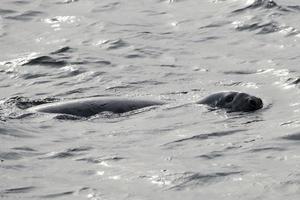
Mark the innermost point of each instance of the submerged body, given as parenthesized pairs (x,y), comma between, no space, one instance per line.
(92,106)
(233,101)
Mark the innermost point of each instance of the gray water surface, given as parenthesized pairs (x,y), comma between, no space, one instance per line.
(176,51)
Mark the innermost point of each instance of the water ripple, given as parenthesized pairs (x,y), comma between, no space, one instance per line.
(207,136)
(5,12)
(67,1)
(57,195)
(193,179)
(112,44)
(65,49)
(68,153)
(26,16)
(97,160)
(13,133)
(47,61)
(271,149)
(265,28)
(211,155)
(18,190)
(264,4)
(106,7)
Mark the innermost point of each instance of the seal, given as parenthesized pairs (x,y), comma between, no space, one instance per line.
(232,101)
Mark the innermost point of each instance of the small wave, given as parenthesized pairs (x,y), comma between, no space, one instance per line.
(14,63)
(265,28)
(12,132)
(119,87)
(18,190)
(102,62)
(254,120)
(265,4)
(12,167)
(67,1)
(26,16)
(287,79)
(28,76)
(193,179)
(236,83)
(5,12)
(65,49)
(47,61)
(134,56)
(97,160)
(24,149)
(240,72)
(106,7)
(211,155)
(293,123)
(206,39)
(271,149)
(69,71)
(112,44)
(53,155)
(55,21)
(289,31)
(145,82)
(10,156)
(17,155)
(293,81)
(57,195)
(215,25)
(68,153)
(169,65)
(75,91)
(229,83)
(58,21)
(148,52)
(207,136)
(21,2)
(79,149)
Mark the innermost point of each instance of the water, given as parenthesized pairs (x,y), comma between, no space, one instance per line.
(175,51)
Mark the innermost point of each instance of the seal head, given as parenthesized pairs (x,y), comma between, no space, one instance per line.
(233,101)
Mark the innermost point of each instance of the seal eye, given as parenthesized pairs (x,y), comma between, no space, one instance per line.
(229,98)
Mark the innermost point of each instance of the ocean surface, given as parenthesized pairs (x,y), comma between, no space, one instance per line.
(177,51)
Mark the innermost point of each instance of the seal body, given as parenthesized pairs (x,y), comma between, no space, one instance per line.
(233,101)
(92,106)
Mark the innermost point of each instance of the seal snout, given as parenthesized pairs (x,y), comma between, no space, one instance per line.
(255,103)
